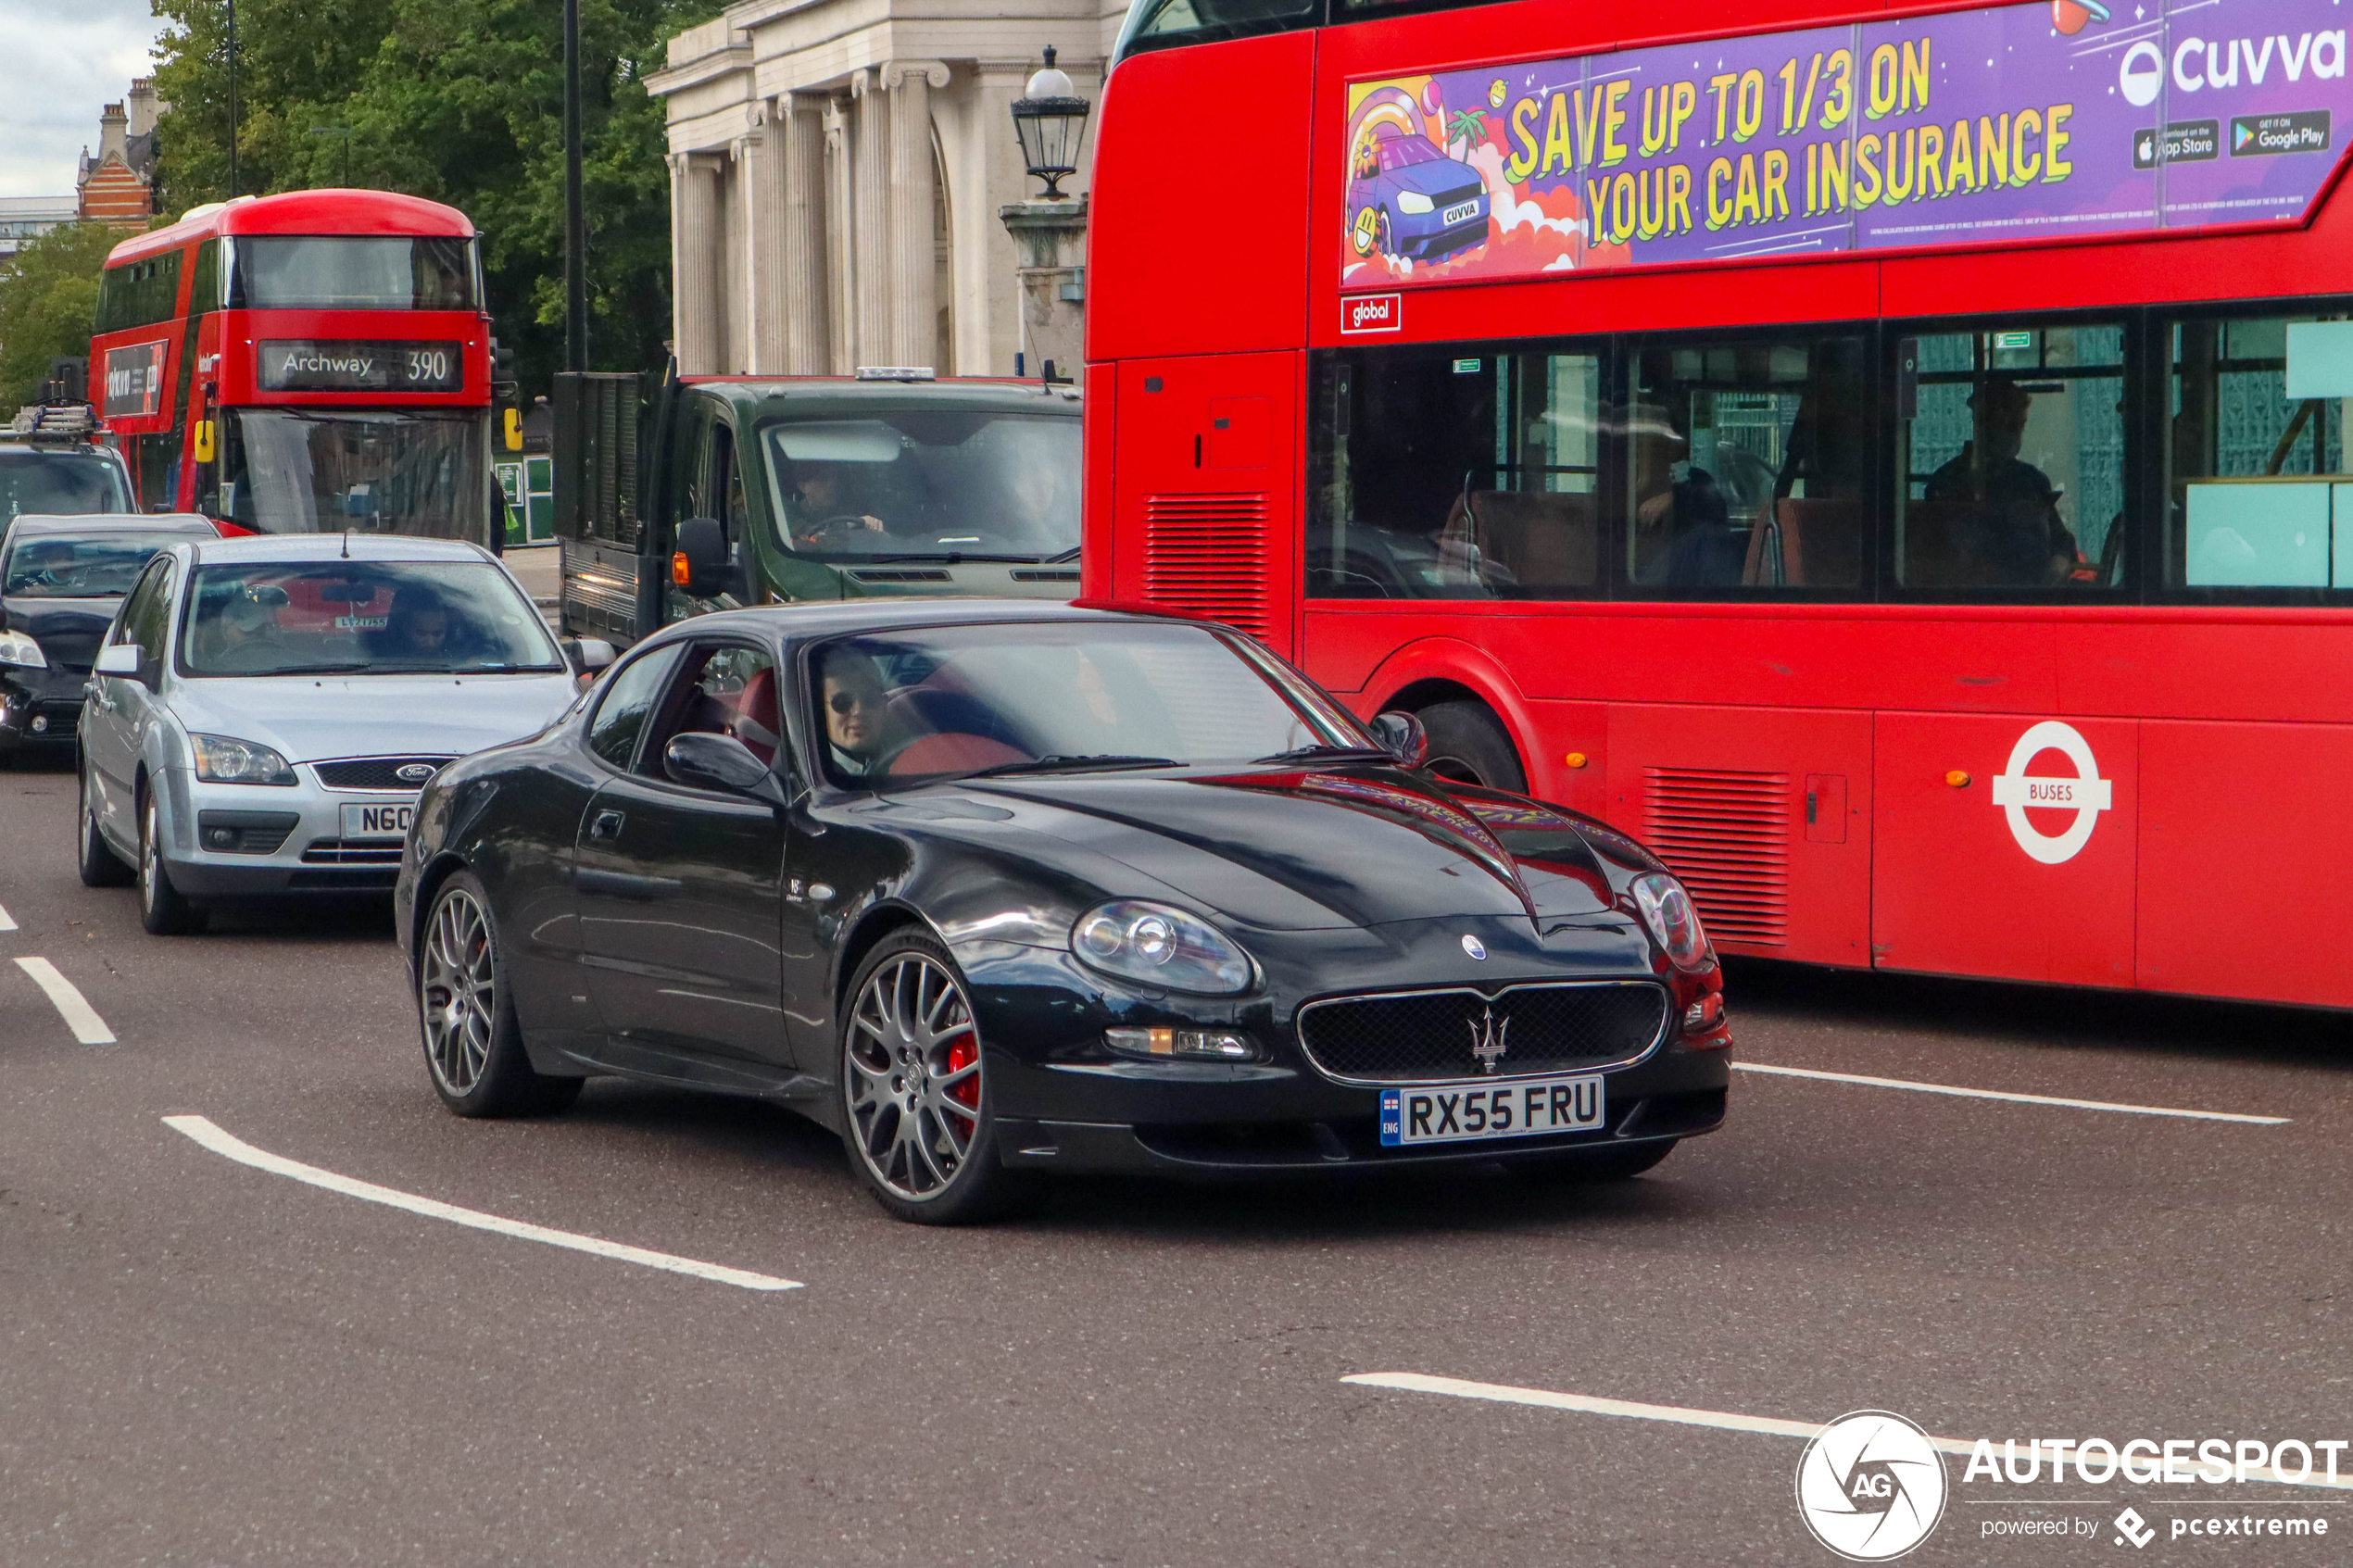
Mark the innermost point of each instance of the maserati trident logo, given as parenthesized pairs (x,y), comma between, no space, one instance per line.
(413,772)
(1489,1039)
(1474,947)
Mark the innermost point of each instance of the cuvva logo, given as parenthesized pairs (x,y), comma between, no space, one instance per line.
(2200,63)
(1870,1485)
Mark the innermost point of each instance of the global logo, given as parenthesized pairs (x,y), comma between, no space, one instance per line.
(1870,1485)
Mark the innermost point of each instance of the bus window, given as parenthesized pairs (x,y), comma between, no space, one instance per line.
(2253,478)
(2011,443)
(1745,464)
(284,471)
(1155,24)
(1446,476)
(350,273)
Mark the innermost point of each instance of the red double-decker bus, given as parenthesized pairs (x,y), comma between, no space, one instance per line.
(1889,459)
(312,361)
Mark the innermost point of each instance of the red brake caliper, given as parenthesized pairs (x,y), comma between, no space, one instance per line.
(961,1055)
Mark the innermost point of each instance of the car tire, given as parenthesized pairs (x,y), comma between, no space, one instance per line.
(1384,237)
(1467,745)
(466,1013)
(96,859)
(918,1118)
(163,910)
(1621,1164)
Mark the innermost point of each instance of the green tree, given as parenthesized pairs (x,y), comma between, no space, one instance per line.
(48,300)
(460,101)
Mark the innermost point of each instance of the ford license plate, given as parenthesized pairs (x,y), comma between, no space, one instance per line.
(1462,1113)
(372,821)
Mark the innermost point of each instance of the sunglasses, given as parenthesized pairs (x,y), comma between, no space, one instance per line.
(843,702)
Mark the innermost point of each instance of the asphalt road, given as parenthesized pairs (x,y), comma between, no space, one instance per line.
(206,1362)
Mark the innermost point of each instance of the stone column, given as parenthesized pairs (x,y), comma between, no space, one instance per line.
(841,253)
(1052,236)
(870,164)
(915,325)
(759,162)
(801,270)
(694,264)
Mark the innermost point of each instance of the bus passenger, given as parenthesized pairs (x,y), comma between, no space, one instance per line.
(2013,537)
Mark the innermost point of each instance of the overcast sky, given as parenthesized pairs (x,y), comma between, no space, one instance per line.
(60,62)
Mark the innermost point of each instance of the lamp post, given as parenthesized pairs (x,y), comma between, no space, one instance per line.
(232,99)
(1051,118)
(575,225)
(344,131)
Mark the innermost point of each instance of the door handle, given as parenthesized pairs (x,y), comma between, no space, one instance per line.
(605,824)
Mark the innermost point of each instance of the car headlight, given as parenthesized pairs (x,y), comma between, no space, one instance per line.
(1413,201)
(21,652)
(1160,946)
(222,760)
(1668,911)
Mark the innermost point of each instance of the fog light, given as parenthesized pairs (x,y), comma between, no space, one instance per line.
(1195,1044)
(221,838)
(39,723)
(1704,1014)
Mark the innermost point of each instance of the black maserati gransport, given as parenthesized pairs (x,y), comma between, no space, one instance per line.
(994,888)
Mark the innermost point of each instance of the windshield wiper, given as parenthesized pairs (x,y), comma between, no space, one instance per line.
(352,669)
(1071,554)
(1067,764)
(953,558)
(1325,749)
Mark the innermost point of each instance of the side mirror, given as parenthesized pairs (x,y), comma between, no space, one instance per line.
(121,659)
(588,655)
(699,563)
(1402,735)
(702,760)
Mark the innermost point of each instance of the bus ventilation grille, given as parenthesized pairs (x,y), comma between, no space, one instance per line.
(1206,555)
(1726,835)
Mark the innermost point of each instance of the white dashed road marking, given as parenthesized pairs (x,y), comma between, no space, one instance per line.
(1723,1421)
(79,1016)
(2004,1093)
(5,922)
(203,1131)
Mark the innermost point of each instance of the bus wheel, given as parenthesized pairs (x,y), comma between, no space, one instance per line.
(1469,745)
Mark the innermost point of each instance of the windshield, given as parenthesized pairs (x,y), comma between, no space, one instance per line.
(1399,151)
(57,566)
(928,483)
(312,272)
(952,701)
(361,617)
(410,472)
(69,481)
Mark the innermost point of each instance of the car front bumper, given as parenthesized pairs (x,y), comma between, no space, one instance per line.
(239,841)
(40,710)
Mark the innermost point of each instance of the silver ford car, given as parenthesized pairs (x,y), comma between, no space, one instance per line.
(264,712)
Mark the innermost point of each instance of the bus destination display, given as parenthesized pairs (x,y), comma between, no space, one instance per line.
(306,366)
(2024,121)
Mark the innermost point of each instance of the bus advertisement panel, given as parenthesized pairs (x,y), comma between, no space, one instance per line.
(1969,127)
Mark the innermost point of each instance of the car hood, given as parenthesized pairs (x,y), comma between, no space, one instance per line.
(1313,849)
(67,630)
(1439,178)
(312,718)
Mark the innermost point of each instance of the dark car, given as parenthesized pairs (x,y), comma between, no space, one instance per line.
(993,888)
(61,581)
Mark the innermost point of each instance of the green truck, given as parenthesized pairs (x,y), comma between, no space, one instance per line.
(708,493)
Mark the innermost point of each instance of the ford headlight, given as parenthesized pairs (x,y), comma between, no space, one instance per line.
(1413,201)
(1667,912)
(222,760)
(21,652)
(1160,946)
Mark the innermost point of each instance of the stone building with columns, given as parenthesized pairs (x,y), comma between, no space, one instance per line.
(836,171)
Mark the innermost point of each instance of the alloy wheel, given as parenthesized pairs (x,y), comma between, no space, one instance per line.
(150,856)
(459,985)
(913,1067)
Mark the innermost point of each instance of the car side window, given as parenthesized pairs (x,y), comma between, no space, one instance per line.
(147,613)
(724,688)
(629,697)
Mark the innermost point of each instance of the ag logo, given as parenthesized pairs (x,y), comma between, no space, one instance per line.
(1870,1487)
(2087,793)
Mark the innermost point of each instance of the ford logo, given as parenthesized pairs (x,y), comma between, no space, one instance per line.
(414,773)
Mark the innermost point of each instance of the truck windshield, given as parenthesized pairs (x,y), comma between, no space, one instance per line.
(70,480)
(927,482)
(282,471)
(341,273)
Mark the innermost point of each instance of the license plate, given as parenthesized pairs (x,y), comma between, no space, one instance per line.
(372,821)
(1465,1112)
(1461,212)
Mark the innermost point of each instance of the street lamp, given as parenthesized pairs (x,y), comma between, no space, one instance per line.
(344,131)
(1050,119)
